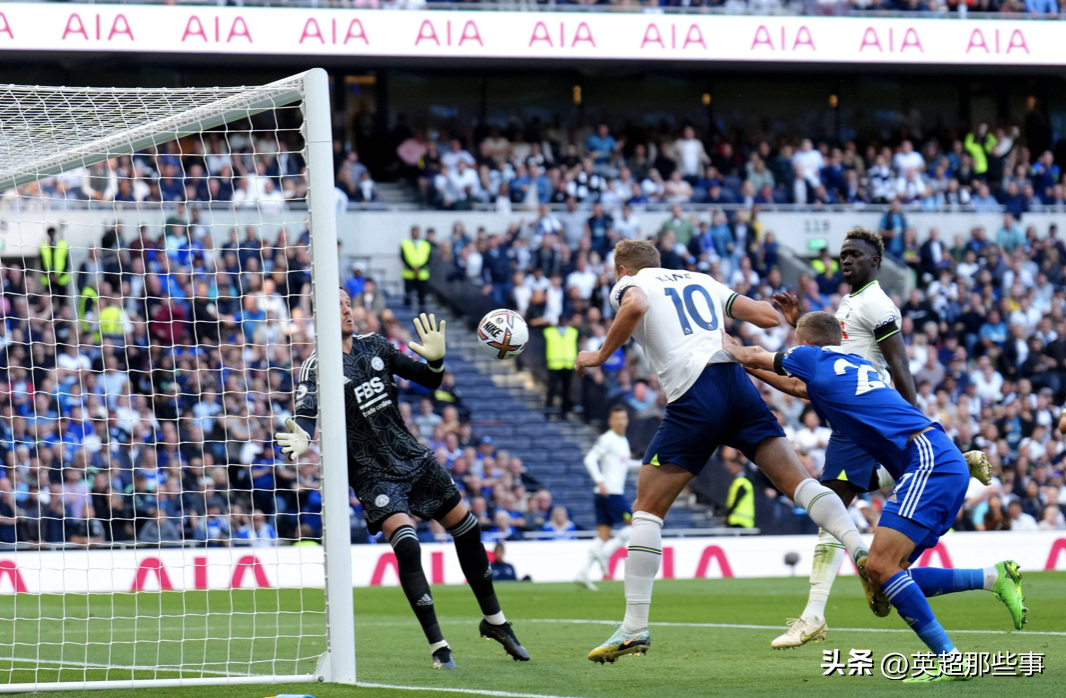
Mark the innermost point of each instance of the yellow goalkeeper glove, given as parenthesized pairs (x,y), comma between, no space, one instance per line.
(979,467)
(295,443)
(431,336)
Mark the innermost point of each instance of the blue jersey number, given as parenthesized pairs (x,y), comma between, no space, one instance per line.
(865,385)
(685,308)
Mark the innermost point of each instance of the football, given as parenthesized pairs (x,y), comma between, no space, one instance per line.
(503,334)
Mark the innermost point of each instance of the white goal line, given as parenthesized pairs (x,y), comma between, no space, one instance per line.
(448,689)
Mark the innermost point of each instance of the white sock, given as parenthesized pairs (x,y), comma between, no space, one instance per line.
(642,564)
(828,554)
(991,576)
(437,645)
(496,618)
(884,478)
(594,555)
(825,509)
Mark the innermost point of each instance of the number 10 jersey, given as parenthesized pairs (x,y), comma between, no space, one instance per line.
(682,331)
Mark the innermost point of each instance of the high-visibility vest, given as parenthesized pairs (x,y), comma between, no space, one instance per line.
(561,349)
(111,322)
(744,512)
(819,266)
(87,294)
(416,254)
(979,151)
(55,259)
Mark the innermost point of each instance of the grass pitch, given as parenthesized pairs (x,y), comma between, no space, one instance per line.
(693,652)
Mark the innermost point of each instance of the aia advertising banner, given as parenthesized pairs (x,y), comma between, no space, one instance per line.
(105,571)
(525,35)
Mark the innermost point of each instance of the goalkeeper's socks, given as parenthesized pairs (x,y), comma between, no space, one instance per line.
(934,582)
(913,607)
(642,564)
(475,563)
(413,580)
(828,511)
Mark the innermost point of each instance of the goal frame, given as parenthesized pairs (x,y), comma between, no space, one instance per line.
(311,88)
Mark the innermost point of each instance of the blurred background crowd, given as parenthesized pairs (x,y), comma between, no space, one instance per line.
(983,320)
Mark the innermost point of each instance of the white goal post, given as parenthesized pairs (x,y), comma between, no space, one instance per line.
(151,534)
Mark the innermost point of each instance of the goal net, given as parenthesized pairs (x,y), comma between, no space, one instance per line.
(169,261)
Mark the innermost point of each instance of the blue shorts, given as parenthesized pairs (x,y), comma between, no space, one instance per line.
(928,496)
(612,510)
(846,461)
(721,407)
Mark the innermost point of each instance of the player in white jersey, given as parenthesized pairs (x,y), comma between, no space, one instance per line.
(677,317)
(609,462)
(870,324)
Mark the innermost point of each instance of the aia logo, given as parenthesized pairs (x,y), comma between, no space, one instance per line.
(843,331)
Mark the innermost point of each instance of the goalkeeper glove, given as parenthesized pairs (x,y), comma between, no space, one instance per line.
(432,338)
(979,466)
(295,443)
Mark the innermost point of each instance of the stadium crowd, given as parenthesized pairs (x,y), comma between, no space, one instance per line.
(985,324)
(255,169)
(984,169)
(141,392)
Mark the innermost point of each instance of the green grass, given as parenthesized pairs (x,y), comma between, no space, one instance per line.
(684,661)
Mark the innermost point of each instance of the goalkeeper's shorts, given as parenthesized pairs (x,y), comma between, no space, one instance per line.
(428,495)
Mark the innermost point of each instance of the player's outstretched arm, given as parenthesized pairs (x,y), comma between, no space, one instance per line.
(758,313)
(631,311)
(788,385)
(748,357)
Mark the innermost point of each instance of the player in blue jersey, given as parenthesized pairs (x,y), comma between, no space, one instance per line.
(870,327)
(931,475)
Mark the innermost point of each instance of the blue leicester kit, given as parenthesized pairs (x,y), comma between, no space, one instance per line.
(930,472)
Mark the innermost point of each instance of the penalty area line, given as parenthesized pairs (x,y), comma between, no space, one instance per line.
(744,626)
(447,689)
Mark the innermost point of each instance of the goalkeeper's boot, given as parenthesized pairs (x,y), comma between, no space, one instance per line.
(442,658)
(506,637)
(1008,589)
(979,466)
(622,643)
(876,598)
(801,632)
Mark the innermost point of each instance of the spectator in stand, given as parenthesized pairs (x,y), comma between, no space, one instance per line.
(891,228)
(1010,235)
(689,156)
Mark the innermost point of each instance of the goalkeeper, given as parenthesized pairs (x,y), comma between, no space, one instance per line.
(394,476)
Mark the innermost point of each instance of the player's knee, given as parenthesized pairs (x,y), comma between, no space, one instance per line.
(880,568)
(467,529)
(405,546)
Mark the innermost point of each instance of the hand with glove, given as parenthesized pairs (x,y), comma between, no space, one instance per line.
(295,443)
(979,466)
(430,336)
